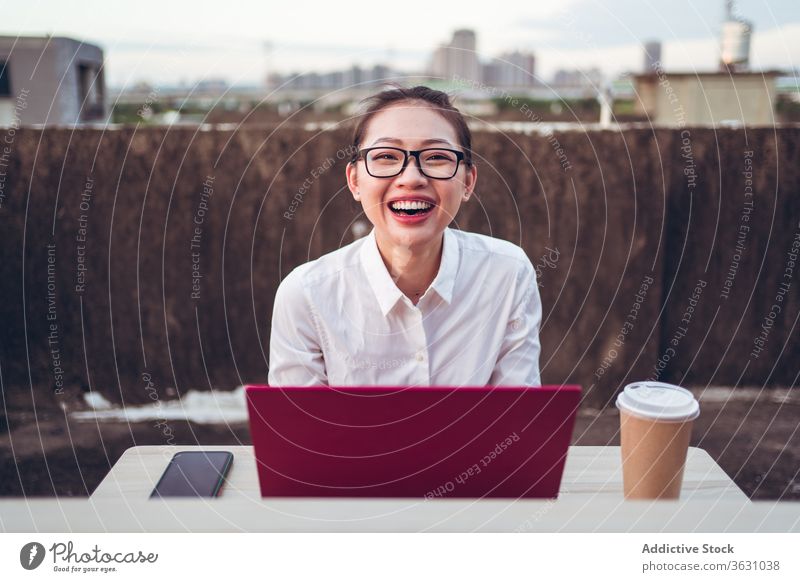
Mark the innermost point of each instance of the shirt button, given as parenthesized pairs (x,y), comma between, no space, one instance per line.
(420,357)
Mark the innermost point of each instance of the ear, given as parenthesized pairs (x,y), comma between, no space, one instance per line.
(469,182)
(352,181)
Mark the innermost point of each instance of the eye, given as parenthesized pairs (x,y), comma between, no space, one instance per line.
(384,155)
(439,156)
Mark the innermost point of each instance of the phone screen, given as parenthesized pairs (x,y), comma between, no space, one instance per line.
(194,474)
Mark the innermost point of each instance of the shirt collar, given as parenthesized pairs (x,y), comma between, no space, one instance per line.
(384,287)
(445,280)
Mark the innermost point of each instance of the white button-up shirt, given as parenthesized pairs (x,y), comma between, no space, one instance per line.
(342,321)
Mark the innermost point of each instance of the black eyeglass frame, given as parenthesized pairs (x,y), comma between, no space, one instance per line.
(411,153)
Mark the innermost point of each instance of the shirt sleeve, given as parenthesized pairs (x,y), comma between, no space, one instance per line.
(518,360)
(295,353)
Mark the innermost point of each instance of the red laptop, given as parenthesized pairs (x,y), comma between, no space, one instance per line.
(429,442)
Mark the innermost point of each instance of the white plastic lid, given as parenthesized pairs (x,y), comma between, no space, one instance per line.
(659,401)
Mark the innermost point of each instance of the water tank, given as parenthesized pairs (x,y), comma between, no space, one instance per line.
(735,51)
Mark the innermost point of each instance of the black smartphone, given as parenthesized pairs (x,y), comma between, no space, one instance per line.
(194,474)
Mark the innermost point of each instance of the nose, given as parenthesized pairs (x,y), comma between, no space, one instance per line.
(411,176)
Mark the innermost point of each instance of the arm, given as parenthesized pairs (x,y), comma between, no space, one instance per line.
(518,360)
(295,353)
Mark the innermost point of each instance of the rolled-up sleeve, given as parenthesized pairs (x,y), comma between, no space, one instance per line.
(295,353)
(518,360)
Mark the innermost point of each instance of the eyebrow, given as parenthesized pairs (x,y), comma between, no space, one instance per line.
(424,141)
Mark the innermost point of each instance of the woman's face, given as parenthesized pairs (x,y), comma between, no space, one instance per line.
(410,126)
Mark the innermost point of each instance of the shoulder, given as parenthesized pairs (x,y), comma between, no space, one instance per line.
(499,253)
(503,266)
(323,271)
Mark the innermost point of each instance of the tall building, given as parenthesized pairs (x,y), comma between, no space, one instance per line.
(510,70)
(439,62)
(458,58)
(516,69)
(353,77)
(491,73)
(465,61)
(51,80)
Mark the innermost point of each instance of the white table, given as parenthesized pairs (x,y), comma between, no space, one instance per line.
(240,514)
(590,474)
(590,500)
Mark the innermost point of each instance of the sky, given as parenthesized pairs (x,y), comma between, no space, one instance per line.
(169,42)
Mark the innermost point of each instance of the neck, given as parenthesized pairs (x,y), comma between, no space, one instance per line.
(412,269)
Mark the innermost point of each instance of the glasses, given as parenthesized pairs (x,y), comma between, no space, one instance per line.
(436,163)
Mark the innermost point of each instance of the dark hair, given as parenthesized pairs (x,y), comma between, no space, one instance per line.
(438,100)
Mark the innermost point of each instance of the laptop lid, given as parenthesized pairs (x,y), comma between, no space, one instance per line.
(429,442)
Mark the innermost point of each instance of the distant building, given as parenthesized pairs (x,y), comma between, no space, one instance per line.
(589,78)
(58,80)
(211,86)
(512,70)
(381,74)
(352,78)
(707,98)
(458,59)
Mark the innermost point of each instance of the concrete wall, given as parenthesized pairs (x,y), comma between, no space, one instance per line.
(101,253)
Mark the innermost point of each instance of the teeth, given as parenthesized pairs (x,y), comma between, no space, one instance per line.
(410,205)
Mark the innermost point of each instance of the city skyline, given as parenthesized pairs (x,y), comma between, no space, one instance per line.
(170,45)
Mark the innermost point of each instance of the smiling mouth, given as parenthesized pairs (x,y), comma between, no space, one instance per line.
(410,208)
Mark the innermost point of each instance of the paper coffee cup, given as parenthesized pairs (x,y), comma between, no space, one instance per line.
(655,427)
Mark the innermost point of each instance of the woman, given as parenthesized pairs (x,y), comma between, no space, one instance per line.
(414,303)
